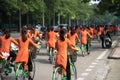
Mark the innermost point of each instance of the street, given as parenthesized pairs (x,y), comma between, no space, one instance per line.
(91,67)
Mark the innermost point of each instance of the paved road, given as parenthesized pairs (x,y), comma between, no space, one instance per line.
(90,67)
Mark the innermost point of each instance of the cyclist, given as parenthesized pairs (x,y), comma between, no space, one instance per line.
(23,54)
(73,36)
(5,41)
(84,37)
(62,45)
(52,37)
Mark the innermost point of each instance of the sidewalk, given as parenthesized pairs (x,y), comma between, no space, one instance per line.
(114,63)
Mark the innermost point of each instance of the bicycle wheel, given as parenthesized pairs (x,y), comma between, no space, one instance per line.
(20,72)
(57,75)
(73,72)
(52,57)
(33,69)
(84,50)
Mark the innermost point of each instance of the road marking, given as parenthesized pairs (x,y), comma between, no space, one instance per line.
(94,63)
(88,69)
(84,74)
(91,66)
(80,79)
(102,55)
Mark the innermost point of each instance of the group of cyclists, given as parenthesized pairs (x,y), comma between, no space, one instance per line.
(59,41)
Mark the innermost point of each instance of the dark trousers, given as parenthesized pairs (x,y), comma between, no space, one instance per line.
(29,64)
(68,69)
(102,42)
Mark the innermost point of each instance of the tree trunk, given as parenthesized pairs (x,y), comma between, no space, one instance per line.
(20,20)
(27,16)
(10,24)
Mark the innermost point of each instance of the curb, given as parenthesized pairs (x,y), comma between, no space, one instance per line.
(113,50)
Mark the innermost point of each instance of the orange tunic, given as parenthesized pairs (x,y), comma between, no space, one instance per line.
(84,36)
(36,33)
(73,38)
(92,31)
(23,53)
(29,34)
(61,57)
(5,43)
(52,36)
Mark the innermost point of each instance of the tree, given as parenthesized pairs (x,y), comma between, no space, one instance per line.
(113,6)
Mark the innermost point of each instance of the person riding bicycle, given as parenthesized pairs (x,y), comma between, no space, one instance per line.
(73,36)
(52,37)
(5,41)
(23,53)
(84,38)
(62,45)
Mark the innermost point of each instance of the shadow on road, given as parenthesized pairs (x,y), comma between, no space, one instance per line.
(44,61)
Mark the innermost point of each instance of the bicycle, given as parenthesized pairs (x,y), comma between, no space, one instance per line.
(84,49)
(4,68)
(52,56)
(21,73)
(39,47)
(58,75)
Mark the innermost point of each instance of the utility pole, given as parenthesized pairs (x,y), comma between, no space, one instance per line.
(20,19)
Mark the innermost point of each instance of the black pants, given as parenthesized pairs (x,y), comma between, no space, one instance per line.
(12,56)
(68,69)
(29,64)
(102,42)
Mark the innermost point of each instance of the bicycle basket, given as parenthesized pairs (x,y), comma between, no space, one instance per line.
(78,48)
(74,57)
(33,52)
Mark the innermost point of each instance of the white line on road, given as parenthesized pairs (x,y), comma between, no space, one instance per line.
(88,70)
(102,55)
(80,79)
(84,74)
(94,63)
(91,66)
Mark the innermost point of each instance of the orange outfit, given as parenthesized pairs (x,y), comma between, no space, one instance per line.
(68,34)
(52,36)
(5,43)
(23,53)
(61,57)
(84,36)
(29,34)
(92,31)
(77,31)
(36,33)
(73,38)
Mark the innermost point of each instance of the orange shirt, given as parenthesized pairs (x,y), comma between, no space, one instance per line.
(84,36)
(23,52)
(77,31)
(61,57)
(5,43)
(52,36)
(73,38)
(36,33)
(29,34)
(92,31)
(68,34)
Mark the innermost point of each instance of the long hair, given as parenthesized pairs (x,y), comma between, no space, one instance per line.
(6,32)
(62,34)
(24,37)
(72,31)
